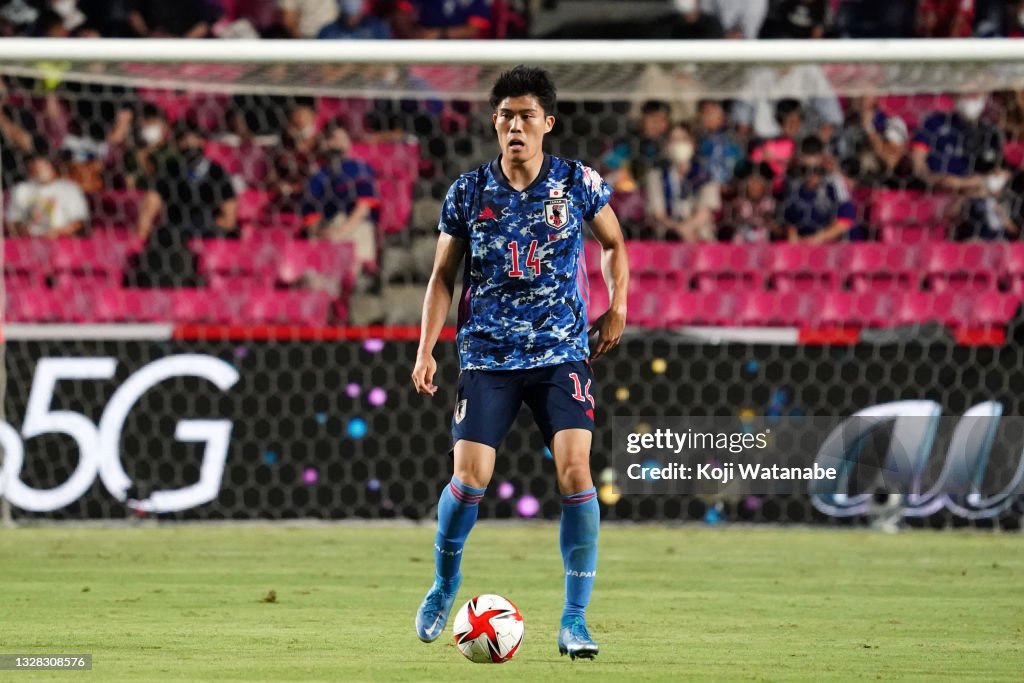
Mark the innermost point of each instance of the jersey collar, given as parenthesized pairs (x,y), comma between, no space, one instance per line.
(499,174)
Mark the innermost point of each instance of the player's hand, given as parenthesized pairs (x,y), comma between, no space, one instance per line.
(423,374)
(609,329)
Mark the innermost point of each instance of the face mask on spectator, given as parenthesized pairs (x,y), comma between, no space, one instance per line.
(306,132)
(995,183)
(152,133)
(971,107)
(680,152)
(685,6)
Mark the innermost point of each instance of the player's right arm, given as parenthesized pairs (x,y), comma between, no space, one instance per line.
(438,300)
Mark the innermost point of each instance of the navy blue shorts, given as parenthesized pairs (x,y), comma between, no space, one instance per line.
(560,397)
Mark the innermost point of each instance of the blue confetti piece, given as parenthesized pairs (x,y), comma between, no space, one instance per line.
(373,485)
(321,418)
(547,454)
(357,428)
(751,367)
(270,457)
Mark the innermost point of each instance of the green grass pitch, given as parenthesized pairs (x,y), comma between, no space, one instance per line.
(189,603)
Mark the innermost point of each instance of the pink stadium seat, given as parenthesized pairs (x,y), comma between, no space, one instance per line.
(669,261)
(207,306)
(993,309)
(873,267)
(646,301)
(389,160)
(840,309)
(287,307)
(326,259)
(44,305)
(251,204)
(972,266)
(395,204)
(1013,268)
(248,161)
(908,217)
(240,258)
(131,305)
(592,255)
(948,308)
(99,260)
(704,308)
(598,303)
(116,208)
(779,308)
(719,266)
(797,267)
(913,108)
(1013,152)
(27,259)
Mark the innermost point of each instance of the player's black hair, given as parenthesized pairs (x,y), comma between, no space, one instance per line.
(812,145)
(525,80)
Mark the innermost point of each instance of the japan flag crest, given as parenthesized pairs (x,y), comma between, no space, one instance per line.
(556,213)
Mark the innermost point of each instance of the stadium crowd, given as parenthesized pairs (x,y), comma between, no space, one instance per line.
(169,168)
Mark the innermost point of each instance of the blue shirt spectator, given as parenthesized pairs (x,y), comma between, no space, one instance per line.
(717,149)
(451,18)
(342,186)
(958,143)
(682,197)
(355,23)
(816,206)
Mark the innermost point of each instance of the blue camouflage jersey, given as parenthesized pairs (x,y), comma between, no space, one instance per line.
(525,291)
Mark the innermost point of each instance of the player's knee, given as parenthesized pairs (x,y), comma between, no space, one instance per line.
(474,476)
(574,476)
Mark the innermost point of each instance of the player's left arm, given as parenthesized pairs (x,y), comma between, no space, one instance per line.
(615,267)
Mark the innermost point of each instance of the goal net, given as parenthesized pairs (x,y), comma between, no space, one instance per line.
(211,337)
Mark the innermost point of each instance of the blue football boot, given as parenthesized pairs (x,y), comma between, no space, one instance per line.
(432,616)
(575,641)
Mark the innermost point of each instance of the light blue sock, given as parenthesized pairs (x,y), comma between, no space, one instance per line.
(577,537)
(456,515)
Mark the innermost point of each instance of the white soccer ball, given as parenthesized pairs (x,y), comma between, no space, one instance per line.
(489,629)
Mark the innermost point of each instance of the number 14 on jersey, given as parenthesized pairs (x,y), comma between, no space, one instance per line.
(531,259)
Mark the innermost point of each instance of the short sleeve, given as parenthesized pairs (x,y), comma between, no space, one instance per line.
(453,212)
(17,208)
(596,193)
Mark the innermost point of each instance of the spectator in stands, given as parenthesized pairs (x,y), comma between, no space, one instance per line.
(873,147)
(153,151)
(198,201)
(1013,23)
(779,150)
(341,199)
(957,150)
(876,19)
(688,23)
(991,215)
(296,161)
(355,22)
(71,16)
(751,215)
(178,19)
(945,18)
(815,207)
(51,25)
(431,20)
(305,18)
(18,133)
(682,197)
(796,19)
(630,159)
(756,115)
(17,18)
(717,148)
(739,18)
(46,205)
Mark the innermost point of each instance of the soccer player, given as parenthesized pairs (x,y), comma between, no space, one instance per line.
(523,337)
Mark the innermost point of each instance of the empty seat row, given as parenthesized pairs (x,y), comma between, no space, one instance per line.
(666,307)
(864,266)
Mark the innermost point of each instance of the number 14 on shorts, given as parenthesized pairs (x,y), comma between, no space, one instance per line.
(581,393)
